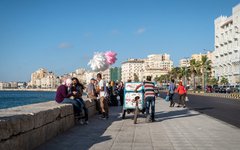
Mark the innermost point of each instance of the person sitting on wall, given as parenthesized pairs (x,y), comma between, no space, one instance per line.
(62,96)
(77,88)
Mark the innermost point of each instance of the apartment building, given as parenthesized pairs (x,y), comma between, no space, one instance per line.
(227,46)
(154,65)
(131,67)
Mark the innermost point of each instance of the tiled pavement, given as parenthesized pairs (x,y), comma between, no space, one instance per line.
(175,128)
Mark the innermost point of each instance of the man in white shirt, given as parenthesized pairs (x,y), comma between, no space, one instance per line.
(102,94)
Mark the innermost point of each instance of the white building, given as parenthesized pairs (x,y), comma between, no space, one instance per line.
(227,47)
(185,62)
(155,65)
(131,67)
(44,79)
(106,75)
(1,85)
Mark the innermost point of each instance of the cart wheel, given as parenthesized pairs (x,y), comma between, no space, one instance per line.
(123,114)
(136,115)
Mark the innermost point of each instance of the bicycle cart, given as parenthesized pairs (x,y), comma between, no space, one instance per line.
(129,103)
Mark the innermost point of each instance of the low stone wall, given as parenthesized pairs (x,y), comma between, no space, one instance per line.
(27,127)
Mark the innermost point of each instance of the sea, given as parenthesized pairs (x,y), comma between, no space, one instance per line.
(10,99)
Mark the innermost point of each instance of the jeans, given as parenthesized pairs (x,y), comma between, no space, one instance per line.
(171,99)
(83,106)
(76,106)
(150,101)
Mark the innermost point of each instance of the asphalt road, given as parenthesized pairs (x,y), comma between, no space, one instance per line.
(224,109)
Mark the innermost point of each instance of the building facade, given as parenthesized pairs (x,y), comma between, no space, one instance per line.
(185,62)
(43,79)
(227,47)
(154,65)
(131,68)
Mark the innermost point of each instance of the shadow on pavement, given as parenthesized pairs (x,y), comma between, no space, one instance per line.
(84,136)
(160,116)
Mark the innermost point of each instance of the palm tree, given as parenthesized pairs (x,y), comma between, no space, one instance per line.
(206,68)
(176,73)
(212,81)
(163,78)
(224,81)
(193,71)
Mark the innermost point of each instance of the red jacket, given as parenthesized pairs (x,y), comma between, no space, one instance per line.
(181,89)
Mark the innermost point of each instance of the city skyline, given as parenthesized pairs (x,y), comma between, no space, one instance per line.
(63,36)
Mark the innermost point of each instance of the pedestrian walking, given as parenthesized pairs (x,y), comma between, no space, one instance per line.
(170,93)
(149,98)
(182,94)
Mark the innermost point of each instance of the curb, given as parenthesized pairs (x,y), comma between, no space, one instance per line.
(232,96)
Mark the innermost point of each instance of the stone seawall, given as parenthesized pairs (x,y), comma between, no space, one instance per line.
(26,127)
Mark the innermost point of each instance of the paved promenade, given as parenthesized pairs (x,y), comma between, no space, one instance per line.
(175,129)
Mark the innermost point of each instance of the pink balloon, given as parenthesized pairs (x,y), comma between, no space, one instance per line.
(111,57)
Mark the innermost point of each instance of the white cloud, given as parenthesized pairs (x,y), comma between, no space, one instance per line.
(141,30)
(64,45)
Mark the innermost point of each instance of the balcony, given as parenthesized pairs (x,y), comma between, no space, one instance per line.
(236,60)
(235,72)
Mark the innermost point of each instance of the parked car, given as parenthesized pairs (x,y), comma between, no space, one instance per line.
(199,87)
(209,89)
(216,89)
(222,89)
(230,89)
(236,88)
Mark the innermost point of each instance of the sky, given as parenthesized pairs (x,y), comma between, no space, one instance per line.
(62,35)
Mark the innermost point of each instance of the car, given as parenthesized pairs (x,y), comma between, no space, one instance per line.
(216,88)
(230,89)
(223,89)
(199,87)
(236,88)
(209,89)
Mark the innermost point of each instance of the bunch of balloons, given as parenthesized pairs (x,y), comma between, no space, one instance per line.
(101,61)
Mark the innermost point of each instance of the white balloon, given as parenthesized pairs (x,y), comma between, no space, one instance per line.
(99,62)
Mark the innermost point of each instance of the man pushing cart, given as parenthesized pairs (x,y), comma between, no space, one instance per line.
(146,98)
